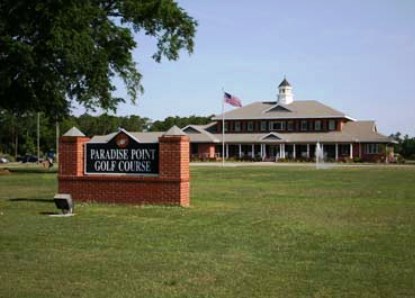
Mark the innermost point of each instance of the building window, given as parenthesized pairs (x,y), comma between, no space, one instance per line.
(263,125)
(250,126)
(332,124)
(237,126)
(373,149)
(304,125)
(344,149)
(226,126)
(290,125)
(317,125)
(277,125)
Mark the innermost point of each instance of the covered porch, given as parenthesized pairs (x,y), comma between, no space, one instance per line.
(300,151)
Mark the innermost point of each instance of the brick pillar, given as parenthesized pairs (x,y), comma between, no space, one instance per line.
(71,149)
(174,164)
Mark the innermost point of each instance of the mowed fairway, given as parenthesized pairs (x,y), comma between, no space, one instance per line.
(281,231)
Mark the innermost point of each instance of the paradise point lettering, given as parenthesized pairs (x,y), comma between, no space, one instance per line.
(136,158)
(122,154)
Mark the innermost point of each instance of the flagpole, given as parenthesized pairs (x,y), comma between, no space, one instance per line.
(223,128)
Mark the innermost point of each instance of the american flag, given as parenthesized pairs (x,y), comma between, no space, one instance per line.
(232,100)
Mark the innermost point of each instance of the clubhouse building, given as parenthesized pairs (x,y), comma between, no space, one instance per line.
(287,129)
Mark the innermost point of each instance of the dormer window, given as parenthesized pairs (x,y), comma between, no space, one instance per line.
(332,124)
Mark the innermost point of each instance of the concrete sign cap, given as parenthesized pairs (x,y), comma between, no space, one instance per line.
(74,132)
(175,131)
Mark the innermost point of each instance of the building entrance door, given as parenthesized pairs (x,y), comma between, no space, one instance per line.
(273,151)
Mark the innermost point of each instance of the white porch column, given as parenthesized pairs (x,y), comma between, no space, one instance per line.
(294,154)
(240,150)
(308,150)
(351,151)
(337,152)
(282,150)
(253,151)
(227,151)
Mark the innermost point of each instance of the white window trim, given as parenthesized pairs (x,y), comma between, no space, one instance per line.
(292,126)
(373,149)
(238,125)
(250,126)
(319,126)
(302,128)
(282,125)
(263,125)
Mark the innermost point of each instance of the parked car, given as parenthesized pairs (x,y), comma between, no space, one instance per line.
(27,158)
(4,160)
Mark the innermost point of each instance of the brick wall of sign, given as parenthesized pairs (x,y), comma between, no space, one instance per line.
(170,187)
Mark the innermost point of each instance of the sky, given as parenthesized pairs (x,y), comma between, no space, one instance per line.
(352,55)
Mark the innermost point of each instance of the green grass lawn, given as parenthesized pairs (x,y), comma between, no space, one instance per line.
(250,232)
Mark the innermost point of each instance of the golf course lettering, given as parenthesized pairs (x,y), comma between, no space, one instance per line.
(137,159)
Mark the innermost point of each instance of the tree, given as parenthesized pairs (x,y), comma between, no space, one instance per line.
(404,146)
(398,145)
(17,133)
(408,147)
(180,122)
(53,52)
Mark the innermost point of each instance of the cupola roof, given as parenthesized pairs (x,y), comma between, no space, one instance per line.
(284,83)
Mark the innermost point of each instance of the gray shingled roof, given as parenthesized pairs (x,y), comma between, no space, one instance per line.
(198,134)
(174,131)
(272,110)
(142,137)
(284,83)
(74,132)
(359,131)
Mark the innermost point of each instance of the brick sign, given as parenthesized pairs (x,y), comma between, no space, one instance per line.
(121,155)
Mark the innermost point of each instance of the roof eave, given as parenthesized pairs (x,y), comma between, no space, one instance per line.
(293,117)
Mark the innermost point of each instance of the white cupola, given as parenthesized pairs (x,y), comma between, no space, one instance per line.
(285,94)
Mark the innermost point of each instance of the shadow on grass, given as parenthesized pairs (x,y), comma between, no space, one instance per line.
(49,213)
(32,200)
(48,201)
(32,170)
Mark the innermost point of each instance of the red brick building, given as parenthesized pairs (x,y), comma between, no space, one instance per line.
(288,129)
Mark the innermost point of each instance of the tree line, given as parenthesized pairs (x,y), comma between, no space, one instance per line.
(405,145)
(18,133)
